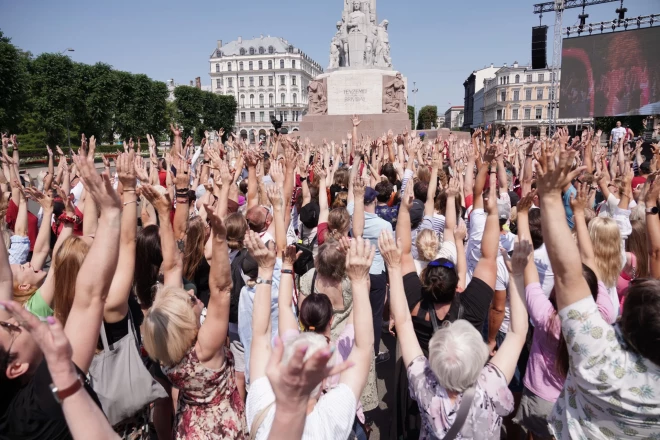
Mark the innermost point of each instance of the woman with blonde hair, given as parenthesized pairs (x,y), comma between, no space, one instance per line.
(333,223)
(194,356)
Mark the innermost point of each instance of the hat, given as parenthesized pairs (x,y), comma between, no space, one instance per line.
(309,215)
(370,195)
(416,213)
(503,209)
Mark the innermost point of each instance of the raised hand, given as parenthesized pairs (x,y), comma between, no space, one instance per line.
(356,120)
(141,169)
(319,171)
(359,259)
(182,180)
(276,172)
(175,130)
(390,249)
(161,203)
(551,178)
(59,150)
(358,188)
(290,256)
(460,232)
(45,200)
(98,187)
(264,256)
(126,170)
(525,203)
(50,152)
(579,200)
(408,197)
(217,226)
(274,193)
(522,251)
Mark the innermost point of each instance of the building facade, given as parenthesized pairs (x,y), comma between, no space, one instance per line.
(454,117)
(519,98)
(268,77)
(473,85)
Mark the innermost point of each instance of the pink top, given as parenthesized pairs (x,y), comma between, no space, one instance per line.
(541,376)
(625,278)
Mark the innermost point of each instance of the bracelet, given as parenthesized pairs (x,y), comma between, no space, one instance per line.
(132,201)
(529,155)
(303,179)
(289,271)
(128,190)
(66,219)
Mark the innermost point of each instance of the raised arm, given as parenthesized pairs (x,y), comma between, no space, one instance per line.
(182,186)
(653,226)
(287,321)
(96,272)
(42,244)
(116,305)
(486,269)
(358,213)
(358,263)
(578,205)
(436,163)
(570,285)
(404,232)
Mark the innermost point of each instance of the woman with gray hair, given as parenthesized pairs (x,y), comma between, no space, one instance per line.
(459,394)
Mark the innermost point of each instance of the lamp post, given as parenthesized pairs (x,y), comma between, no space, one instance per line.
(414,91)
(68,134)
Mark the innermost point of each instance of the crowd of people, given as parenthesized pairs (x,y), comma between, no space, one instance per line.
(233,291)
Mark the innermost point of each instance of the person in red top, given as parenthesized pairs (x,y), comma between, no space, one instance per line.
(644,171)
(33,222)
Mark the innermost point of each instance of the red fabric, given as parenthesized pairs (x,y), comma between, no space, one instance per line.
(33,222)
(321,230)
(468,201)
(162,177)
(637,180)
(77,228)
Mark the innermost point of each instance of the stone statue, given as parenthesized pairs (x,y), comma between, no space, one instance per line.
(394,94)
(357,20)
(316,98)
(334,54)
(383,58)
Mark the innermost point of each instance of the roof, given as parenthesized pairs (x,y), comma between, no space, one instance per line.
(280,45)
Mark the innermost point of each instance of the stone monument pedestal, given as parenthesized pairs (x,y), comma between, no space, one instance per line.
(335,127)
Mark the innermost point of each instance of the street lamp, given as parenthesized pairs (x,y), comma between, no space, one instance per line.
(68,134)
(414,91)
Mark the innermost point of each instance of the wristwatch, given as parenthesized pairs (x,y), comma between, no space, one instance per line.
(262,281)
(652,210)
(60,395)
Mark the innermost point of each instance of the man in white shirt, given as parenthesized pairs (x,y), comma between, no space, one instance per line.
(617,134)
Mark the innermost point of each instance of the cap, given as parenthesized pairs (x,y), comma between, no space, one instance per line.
(416,213)
(503,209)
(309,215)
(370,195)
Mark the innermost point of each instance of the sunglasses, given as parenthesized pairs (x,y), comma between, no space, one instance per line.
(438,263)
(14,331)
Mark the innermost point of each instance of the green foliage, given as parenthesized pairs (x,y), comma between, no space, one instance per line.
(411,115)
(198,111)
(14,83)
(428,115)
(607,123)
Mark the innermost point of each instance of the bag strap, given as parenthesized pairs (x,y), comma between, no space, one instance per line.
(434,319)
(258,420)
(104,338)
(461,414)
(313,283)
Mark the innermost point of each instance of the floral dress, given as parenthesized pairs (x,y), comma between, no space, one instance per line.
(210,406)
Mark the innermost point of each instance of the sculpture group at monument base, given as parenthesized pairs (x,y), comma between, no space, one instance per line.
(335,127)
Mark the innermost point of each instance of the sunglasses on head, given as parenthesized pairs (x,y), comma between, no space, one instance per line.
(11,328)
(438,263)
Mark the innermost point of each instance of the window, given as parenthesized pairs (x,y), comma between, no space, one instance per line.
(516,95)
(293,64)
(262,51)
(529,78)
(240,65)
(261,65)
(270,64)
(270,100)
(281,116)
(282,80)
(261,116)
(528,94)
(271,49)
(528,113)
(539,112)
(261,81)
(242,100)
(261,100)
(242,82)
(252,51)
(286,116)
(252,81)
(271,115)
(242,116)
(541,77)
(502,96)
(515,114)
(229,67)
(539,94)
(253,117)
(517,79)
(270,81)
(295,99)
(218,83)
(293,80)
(295,115)
(250,65)
(242,51)
(281,64)
(217,67)
(282,98)
(230,82)
(499,115)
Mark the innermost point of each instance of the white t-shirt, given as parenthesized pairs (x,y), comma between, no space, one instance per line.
(332,417)
(77,191)
(618,133)
(546,275)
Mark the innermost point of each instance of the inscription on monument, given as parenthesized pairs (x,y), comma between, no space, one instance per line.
(355,95)
(351,92)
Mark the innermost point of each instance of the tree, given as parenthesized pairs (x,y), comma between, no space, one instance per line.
(428,115)
(411,115)
(219,111)
(198,111)
(98,84)
(14,83)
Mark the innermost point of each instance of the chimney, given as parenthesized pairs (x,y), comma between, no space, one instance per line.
(492,65)
(240,40)
(198,82)
(191,83)
(504,64)
(219,44)
(515,64)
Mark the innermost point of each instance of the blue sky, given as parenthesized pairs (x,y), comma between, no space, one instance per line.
(436,43)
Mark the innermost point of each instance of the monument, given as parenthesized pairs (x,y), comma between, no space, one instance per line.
(359,80)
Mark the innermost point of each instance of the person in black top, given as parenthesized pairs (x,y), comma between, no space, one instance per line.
(28,409)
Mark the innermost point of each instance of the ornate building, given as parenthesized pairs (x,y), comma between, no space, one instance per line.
(268,76)
(519,98)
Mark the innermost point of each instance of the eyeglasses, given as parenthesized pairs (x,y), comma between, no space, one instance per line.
(438,263)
